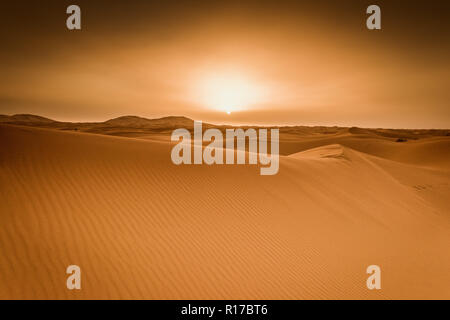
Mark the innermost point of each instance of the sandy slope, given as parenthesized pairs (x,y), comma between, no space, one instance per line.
(141,227)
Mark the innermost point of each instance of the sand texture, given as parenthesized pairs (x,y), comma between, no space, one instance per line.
(141,227)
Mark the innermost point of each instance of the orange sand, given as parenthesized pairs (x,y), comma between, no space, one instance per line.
(141,227)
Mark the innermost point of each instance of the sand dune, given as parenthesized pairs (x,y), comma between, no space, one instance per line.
(141,227)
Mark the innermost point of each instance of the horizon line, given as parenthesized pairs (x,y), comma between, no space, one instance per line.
(222,124)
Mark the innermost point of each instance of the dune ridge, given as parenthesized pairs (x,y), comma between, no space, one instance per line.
(140,227)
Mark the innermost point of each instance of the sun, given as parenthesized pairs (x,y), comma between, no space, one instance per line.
(228,93)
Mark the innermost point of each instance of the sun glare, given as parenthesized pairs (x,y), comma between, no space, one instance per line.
(229,93)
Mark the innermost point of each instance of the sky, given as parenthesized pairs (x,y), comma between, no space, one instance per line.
(238,62)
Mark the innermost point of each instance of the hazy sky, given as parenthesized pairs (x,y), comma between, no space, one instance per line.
(268,62)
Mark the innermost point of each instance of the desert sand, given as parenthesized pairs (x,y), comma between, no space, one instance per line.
(141,227)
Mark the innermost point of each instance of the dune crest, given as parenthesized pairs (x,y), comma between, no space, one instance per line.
(336,151)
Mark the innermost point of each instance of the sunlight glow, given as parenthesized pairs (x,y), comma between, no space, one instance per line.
(229,93)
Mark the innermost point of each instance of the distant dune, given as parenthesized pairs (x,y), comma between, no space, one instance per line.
(124,125)
(134,126)
(141,227)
